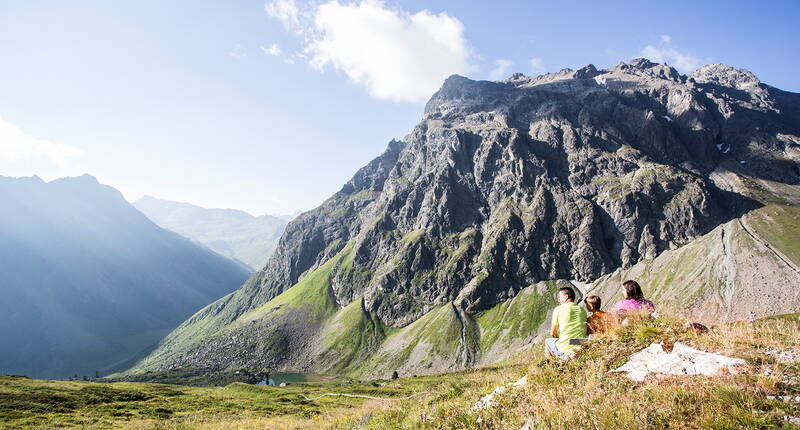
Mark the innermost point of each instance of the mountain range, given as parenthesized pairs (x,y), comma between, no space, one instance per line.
(446,250)
(88,281)
(232,233)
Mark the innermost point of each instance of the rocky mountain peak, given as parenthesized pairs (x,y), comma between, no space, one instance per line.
(504,185)
(646,68)
(727,76)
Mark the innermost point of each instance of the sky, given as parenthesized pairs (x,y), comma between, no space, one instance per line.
(271,106)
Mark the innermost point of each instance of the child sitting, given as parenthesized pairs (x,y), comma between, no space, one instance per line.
(599,322)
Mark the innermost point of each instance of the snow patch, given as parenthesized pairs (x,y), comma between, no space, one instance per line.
(600,81)
(666,117)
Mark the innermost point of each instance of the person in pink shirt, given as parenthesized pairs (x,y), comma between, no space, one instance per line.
(634,302)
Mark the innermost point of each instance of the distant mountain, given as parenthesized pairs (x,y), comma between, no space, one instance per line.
(447,250)
(287,217)
(87,281)
(232,233)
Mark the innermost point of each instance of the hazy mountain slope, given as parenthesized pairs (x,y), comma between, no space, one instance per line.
(502,186)
(232,233)
(88,281)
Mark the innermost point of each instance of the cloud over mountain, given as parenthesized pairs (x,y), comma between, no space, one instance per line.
(17,145)
(394,54)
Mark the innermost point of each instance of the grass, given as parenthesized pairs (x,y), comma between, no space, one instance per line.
(29,403)
(350,336)
(576,394)
(582,394)
(312,293)
(518,317)
(779,225)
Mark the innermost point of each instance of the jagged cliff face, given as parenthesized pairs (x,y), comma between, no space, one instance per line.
(501,186)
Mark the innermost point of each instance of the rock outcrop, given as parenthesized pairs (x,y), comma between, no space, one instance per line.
(681,360)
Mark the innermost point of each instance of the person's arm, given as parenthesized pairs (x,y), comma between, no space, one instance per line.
(589,328)
(554,324)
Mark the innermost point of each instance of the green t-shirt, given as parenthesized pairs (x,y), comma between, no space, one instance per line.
(571,320)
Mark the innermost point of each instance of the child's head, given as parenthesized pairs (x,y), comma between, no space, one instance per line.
(593,303)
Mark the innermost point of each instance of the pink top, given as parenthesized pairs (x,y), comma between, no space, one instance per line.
(631,305)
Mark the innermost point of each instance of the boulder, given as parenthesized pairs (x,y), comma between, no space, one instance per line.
(683,360)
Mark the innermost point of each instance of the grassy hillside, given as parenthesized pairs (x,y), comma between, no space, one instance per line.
(596,398)
(353,342)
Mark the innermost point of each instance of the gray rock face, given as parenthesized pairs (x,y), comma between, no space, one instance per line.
(568,175)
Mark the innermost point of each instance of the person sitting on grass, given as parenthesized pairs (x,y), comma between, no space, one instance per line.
(634,302)
(599,322)
(569,322)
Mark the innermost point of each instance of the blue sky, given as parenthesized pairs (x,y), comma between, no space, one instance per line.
(270,106)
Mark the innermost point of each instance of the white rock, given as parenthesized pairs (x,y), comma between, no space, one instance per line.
(787,356)
(520,382)
(489,401)
(683,360)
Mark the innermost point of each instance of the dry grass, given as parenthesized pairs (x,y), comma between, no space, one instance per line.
(564,395)
(582,394)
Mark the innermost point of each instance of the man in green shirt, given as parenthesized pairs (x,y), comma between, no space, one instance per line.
(569,322)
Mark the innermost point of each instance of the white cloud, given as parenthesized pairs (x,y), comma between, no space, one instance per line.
(237,52)
(395,55)
(16,145)
(666,52)
(537,66)
(500,70)
(285,11)
(273,49)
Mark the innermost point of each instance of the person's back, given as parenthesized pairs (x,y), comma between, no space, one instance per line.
(600,323)
(634,302)
(569,322)
(633,305)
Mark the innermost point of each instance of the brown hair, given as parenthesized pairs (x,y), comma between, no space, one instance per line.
(633,290)
(593,303)
(569,292)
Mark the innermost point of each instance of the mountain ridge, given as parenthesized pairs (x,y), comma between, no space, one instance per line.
(505,187)
(89,281)
(232,233)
